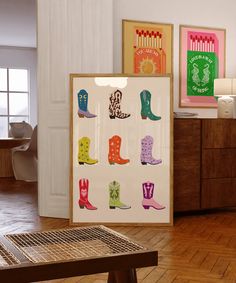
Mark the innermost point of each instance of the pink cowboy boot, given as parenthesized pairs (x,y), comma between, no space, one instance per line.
(146,152)
(148,200)
(83,200)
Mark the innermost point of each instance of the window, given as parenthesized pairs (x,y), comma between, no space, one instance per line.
(14,98)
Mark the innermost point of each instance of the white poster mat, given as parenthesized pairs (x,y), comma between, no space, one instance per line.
(132,175)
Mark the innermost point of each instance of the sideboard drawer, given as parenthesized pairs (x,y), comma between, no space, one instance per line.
(217,163)
(218,133)
(187,157)
(218,193)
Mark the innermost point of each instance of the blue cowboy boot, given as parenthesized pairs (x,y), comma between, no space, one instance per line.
(83,105)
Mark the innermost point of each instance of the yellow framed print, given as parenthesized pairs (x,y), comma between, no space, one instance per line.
(147,47)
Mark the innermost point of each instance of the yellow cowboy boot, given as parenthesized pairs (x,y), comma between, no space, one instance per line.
(83,155)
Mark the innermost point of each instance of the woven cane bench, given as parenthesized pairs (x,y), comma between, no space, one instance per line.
(38,256)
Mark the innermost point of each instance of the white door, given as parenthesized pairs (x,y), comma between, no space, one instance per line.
(74,36)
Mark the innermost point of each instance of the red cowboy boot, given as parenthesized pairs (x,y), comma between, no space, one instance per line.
(83,200)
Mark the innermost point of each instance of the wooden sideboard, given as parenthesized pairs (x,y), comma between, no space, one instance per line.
(204,164)
(5,154)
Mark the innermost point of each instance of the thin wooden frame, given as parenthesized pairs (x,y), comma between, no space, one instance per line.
(197,79)
(146,61)
(74,77)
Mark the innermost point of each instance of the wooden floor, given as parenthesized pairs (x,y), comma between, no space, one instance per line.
(197,249)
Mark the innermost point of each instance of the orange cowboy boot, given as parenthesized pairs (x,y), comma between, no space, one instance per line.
(114,151)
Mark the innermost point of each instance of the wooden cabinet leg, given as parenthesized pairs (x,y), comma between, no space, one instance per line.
(123,276)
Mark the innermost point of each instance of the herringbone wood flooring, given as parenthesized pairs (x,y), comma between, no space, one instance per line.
(198,248)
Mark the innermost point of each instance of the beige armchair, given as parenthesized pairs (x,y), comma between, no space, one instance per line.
(25,160)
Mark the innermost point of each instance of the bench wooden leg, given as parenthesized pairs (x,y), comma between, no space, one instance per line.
(123,276)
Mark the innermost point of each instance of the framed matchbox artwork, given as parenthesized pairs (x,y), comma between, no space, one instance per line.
(121,149)
(147,47)
(202,59)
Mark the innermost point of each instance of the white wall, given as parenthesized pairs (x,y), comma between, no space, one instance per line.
(16,57)
(18,23)
(211,13)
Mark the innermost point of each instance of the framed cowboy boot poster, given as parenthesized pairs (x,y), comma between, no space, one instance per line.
(121,149)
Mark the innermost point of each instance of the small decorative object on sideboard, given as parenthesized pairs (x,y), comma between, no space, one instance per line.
(223,88)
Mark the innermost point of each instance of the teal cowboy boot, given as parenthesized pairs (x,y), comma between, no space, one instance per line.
(83,105)
(146,111)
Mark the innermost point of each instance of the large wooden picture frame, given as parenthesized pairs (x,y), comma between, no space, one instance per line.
(121,149)
(147,48)
(202,59)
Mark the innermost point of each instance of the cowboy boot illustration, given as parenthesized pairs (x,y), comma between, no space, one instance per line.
(114,193)
(83,105)
(114,151)
(146,152)
(146,111)
(83,155)
(148,200)
(83,192)
(114,106)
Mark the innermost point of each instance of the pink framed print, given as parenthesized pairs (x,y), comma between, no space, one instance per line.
(202,59)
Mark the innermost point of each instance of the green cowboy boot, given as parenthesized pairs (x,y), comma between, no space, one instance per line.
(83,155)
(146,111)
(114,191)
